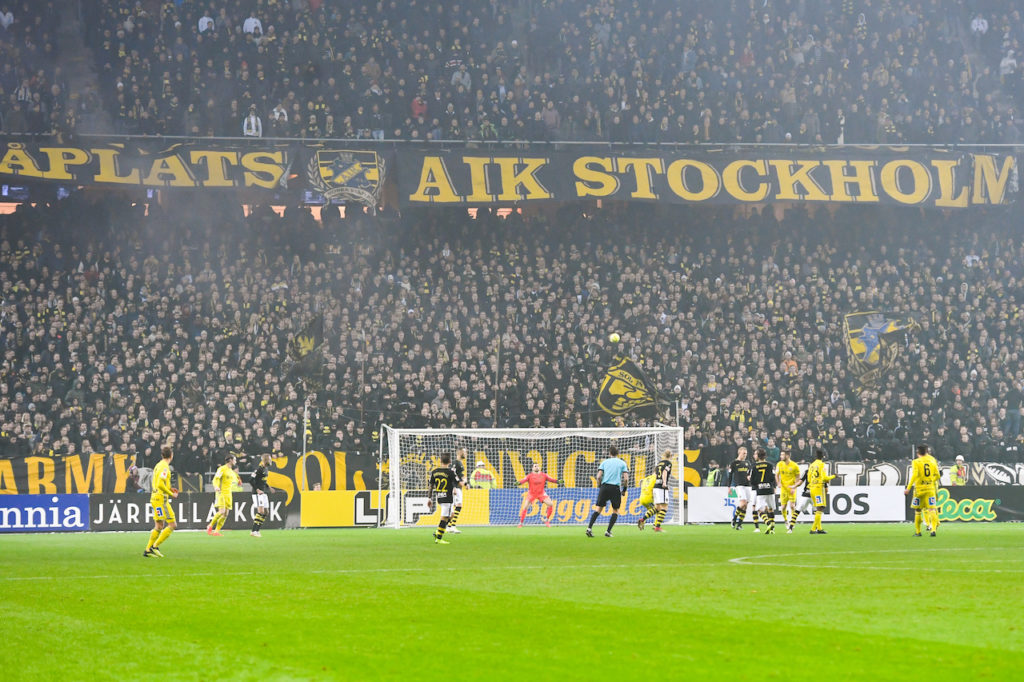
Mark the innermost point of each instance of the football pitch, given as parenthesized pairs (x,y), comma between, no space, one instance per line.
(863,602)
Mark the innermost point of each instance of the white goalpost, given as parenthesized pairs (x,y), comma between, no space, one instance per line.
(498,458)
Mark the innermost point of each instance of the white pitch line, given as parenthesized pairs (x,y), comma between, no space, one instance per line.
(753,560)
(344,571)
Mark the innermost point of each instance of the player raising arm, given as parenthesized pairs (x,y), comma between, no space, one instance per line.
(923,478)
(537,492)
(164,522)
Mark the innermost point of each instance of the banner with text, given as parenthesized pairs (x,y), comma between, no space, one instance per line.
(98,473)
(468,175)
(193,511)
(845,503)
(892,473)
(978,503)
(335,171)
(43,513)
(894,176)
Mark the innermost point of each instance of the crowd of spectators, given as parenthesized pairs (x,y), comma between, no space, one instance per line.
(997,31)
(34,94)
(121,328)
(684,71)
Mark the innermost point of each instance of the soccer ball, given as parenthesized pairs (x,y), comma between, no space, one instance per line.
(614,337)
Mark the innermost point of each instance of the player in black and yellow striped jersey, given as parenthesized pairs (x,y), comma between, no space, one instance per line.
(443,482)
(762,480)
(459,467)
(739,485)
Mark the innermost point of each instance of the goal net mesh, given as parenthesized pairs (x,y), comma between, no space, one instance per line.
(497,459)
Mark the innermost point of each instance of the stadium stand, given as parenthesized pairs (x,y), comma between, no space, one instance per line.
(118,331)
(683,71)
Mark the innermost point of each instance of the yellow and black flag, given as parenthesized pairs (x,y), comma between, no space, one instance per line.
(873,342)
(625,388)
(308,339)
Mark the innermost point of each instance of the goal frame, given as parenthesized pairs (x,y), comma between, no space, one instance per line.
(390,451)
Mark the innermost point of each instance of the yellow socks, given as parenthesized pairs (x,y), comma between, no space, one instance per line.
(164,534)
(153,535)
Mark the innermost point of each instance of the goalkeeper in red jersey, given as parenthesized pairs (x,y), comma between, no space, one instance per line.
(537,493)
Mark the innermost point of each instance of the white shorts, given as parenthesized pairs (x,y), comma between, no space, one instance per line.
(457,497)
(261,500)
(765,502)
(743,493)
(660,495)
(445,509)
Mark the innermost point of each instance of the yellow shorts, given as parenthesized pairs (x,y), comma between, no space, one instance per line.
(163,510)
(223,501)
(785,496)
(647,500)
(924,498)
(818,497)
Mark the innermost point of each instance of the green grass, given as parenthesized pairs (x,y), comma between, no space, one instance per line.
(864,602)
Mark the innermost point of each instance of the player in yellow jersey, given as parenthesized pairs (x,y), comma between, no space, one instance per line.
(787,473)
(923,478)
(647,499)
(817,478)
(164,521)
(224,482)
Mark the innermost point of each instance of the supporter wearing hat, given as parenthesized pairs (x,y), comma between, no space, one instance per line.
(958,472)
(481,477)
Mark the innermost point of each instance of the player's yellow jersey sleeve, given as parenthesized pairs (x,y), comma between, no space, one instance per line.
(162,478)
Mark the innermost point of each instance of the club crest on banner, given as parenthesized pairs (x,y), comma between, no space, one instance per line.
(873,342)
(626,388)
(350,175)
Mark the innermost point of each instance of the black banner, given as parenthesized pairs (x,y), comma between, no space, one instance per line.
(193,511)
(349,171)
(894,176)
(978,503)
(106,474)
(332,170)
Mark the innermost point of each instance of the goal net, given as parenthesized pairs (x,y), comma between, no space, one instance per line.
(496,459)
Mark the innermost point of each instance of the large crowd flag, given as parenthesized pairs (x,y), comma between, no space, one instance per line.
(625,388)
(873,342)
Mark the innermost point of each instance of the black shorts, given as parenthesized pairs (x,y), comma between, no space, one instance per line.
(608,492)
